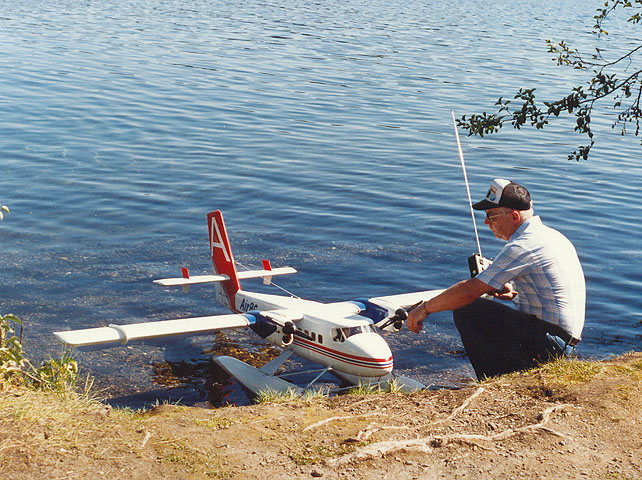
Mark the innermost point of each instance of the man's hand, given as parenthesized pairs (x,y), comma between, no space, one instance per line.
(506,293)
(416,318)
(457,296)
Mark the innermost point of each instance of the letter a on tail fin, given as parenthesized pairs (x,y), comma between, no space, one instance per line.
(223,260)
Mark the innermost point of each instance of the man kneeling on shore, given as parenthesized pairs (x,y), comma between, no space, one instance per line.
(538,269)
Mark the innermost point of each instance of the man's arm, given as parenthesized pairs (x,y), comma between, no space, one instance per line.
(457,296)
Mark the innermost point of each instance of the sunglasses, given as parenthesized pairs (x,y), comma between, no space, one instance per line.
(490,217)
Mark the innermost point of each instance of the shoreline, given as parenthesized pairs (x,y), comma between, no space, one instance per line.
(571,417)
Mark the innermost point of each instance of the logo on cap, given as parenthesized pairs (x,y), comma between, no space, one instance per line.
(492,194)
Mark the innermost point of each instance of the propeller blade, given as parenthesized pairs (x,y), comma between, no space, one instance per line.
(398,319)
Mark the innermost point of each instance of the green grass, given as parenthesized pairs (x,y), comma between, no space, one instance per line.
(393,386)
(291,395)
(570,370)
(313,454)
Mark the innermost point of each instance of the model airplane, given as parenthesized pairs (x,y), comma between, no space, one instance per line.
(341,337)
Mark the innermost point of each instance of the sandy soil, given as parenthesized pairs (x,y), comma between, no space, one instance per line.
(569,419)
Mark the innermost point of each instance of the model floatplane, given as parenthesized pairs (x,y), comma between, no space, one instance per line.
(341,337)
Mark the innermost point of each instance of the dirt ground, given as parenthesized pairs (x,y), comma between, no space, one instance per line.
(568,419)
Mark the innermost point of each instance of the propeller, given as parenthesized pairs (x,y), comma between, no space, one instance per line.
(397,320)
(289,329)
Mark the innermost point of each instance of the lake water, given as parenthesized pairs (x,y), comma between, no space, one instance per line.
(323,132)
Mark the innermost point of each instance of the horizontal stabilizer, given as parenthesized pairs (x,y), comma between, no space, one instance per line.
(193,280)
(149,330)
(172,282)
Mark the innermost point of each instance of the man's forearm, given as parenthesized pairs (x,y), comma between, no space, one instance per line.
(457,296)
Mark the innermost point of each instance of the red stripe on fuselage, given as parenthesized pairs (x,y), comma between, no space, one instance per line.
(367,362)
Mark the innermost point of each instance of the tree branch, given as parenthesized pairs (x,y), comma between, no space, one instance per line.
(579,103)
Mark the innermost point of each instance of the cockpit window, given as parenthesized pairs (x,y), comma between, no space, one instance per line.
(341,334)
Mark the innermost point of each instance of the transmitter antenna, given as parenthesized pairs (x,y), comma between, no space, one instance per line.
(463,167)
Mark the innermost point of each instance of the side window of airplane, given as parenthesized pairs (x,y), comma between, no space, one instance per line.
(320,338)
(338,335)
(313,336)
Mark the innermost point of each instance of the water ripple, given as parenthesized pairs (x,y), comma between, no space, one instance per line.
(323,132)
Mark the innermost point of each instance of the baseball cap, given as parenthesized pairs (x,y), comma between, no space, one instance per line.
(504,193)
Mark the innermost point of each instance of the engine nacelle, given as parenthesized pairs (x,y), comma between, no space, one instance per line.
(270,322)
(384,315)
(375,311)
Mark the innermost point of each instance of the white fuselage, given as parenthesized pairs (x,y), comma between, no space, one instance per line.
(339,337)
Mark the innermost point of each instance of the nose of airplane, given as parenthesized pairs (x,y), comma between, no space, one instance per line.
(370,354)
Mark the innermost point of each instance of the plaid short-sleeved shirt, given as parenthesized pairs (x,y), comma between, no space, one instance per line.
(543,266)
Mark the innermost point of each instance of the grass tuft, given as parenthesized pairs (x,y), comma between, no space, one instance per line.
(391,386)
(309,397)
(570,370)
(272,396)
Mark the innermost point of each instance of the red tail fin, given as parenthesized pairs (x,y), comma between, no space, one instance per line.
(223,259)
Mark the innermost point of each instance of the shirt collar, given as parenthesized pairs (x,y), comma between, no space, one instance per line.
(535,220)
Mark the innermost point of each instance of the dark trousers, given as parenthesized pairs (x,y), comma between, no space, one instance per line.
(500,340)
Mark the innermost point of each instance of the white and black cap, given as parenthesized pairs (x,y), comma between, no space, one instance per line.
(504,193)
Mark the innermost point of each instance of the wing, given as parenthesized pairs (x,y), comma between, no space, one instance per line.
(114,334)
(406,300)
